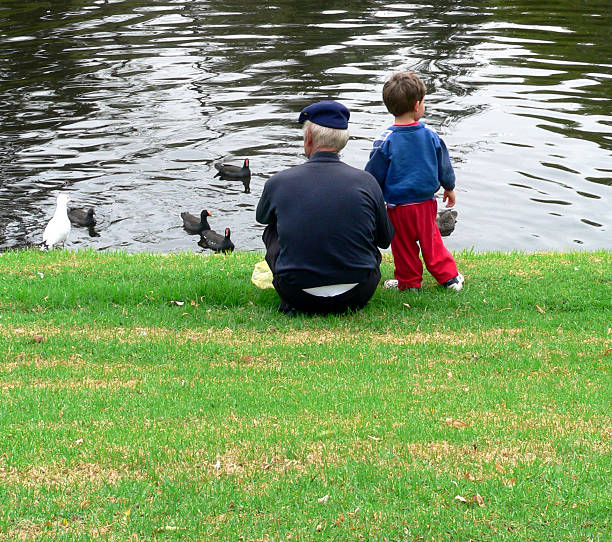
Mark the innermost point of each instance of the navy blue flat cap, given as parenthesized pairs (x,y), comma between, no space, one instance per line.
(327,113)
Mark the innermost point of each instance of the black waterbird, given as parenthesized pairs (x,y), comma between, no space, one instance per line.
(82,217)
(228,172)
(446,220)
(193,224)
(214,241)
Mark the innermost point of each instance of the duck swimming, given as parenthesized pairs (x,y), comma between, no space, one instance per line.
(82,217)
(228,172)
(193,224)
(446,220)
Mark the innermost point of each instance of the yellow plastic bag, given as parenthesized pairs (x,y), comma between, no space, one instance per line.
(262,276)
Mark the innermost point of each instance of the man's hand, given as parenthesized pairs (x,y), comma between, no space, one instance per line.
(450,196)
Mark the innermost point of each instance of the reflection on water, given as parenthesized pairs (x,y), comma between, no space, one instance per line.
(126,105)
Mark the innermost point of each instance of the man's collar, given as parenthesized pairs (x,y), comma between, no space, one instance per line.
(325,156)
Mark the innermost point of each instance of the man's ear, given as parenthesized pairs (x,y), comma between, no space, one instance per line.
(307,142)
(307,136)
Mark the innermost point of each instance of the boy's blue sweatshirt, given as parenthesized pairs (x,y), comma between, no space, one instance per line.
(410,163)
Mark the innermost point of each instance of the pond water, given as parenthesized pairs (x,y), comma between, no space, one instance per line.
(126,105)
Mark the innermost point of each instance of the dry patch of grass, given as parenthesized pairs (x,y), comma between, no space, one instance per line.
(490,461)
(85,383)
(26,530)
(36,361)
(238,461)
(51,529)
(562,425)
(60,475)
(114,383)
(339,447)
(271,337)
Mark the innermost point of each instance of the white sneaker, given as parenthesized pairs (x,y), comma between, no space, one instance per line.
(390,284)
(455,283)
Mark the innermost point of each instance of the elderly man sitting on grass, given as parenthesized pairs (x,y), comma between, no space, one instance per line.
(325,221)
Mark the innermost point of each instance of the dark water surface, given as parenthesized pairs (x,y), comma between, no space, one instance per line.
(126,105)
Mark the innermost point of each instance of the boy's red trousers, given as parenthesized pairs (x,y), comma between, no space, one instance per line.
(415,225)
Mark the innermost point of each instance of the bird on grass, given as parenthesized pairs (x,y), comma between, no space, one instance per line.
(82,217)
(193,224)
(228,172)
(446,220)
(58,228)
(214,241)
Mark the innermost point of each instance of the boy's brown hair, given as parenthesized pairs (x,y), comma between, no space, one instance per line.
(402,91)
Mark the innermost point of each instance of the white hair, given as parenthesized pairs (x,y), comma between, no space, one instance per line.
(322,136)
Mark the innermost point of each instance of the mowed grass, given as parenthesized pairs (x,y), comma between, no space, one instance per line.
(149,397)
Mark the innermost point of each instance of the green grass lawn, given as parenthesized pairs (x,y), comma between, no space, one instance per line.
(163,397)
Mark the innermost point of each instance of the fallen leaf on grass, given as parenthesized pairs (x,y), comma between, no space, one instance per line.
(540,309)
(38,338)
(456,423)
(476,499)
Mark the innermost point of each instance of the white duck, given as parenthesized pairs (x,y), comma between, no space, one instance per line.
(58,228)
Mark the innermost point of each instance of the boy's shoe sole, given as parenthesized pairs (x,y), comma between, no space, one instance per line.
(455,283)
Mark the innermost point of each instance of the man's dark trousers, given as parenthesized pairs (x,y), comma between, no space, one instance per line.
(296,298)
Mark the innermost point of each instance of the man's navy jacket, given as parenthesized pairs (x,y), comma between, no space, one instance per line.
(330,217)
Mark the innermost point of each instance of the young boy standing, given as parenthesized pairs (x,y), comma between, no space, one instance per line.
(410,162)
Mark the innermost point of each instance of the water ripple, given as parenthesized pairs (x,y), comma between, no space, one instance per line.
(127,105)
